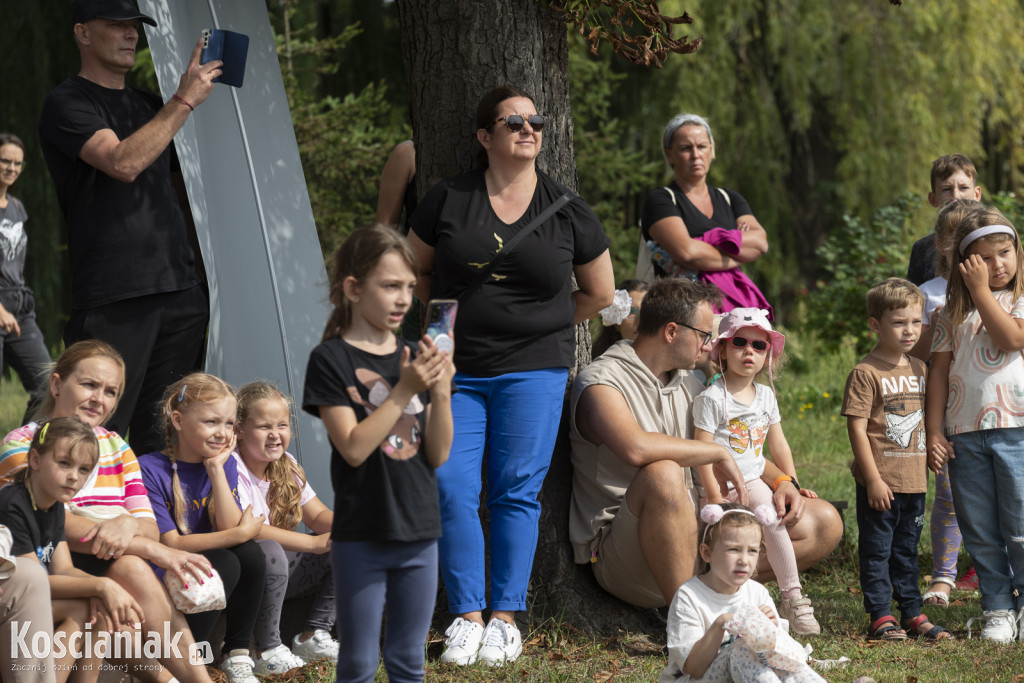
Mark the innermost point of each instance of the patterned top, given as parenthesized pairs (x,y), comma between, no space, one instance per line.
(740,427)
(986,384)
(116,480)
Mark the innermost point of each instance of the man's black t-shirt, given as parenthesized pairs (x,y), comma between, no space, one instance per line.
(34,531)
(125,240)
(522,317)
(392,495)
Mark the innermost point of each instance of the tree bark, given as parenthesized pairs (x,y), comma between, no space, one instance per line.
(454,52)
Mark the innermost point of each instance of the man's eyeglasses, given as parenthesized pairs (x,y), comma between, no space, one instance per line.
(514,122)
(758,345)
(705,334)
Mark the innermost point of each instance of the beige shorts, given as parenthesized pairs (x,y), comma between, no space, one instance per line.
(620,567)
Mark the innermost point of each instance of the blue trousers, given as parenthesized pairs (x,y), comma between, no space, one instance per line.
(514,419)
(888,554)
(987,476)
(369,577)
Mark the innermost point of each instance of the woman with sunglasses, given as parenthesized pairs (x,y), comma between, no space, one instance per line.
(21,341)
(679,220)
(743,416)
(514,343)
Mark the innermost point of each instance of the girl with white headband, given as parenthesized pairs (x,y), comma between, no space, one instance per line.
(712,608)
(976,383)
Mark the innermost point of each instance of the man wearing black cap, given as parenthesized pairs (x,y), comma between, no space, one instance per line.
(133,276)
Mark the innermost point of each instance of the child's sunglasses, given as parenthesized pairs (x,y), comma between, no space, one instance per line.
(514,122)
(740,342)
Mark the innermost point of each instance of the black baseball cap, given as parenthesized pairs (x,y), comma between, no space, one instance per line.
(118,10)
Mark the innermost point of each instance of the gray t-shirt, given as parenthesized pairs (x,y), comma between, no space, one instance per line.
(12,243)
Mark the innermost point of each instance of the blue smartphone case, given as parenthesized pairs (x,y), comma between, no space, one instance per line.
(229,47)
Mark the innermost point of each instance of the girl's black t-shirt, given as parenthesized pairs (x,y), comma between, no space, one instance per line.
(33,531)
(522,317)
(392,495)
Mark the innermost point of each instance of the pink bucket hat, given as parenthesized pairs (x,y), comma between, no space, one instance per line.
(738,318)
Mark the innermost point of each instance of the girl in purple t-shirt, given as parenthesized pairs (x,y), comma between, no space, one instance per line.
(192,485)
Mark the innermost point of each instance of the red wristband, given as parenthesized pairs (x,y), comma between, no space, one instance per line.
(181,99)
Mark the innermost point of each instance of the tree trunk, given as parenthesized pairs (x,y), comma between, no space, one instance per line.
(454,52)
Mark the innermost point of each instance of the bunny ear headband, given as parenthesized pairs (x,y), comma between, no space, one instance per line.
(712,514)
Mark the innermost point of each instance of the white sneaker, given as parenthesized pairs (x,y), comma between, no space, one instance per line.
(238,668)
(1000,626)
(501,643)
(319,646)
(276,661)
(1020,625)
(463,642)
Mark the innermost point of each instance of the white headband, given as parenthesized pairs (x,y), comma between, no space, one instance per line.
(981,232)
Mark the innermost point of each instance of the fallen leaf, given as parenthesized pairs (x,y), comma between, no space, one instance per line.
(603,676)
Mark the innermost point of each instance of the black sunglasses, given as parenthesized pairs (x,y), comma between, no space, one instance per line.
(740,342)
(514,122)
(704,333)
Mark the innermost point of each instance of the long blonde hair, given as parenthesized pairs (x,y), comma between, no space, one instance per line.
(285,476)
(958,298)
(357,256)
(198,387)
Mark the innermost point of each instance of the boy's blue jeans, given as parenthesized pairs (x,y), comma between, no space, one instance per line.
(987,476)
(513,418)
(888,554)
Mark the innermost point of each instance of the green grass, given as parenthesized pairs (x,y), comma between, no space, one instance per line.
(13,400)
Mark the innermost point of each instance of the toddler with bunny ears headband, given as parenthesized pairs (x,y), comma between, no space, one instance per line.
(743,416)
(722,606)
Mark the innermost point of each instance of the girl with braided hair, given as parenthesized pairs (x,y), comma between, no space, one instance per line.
(193,485)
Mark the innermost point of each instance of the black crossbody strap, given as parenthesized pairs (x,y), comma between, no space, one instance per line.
(508,246)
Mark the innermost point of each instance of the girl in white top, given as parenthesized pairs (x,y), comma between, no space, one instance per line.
(274,484)
(743,416)
(974,413)
(699,646)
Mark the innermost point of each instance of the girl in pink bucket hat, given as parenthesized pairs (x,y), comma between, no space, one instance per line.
(743,416)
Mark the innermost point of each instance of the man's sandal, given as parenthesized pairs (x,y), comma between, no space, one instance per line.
(885,628)
(921,627)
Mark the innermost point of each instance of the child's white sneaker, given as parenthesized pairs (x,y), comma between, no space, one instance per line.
(1020,625)
(238,667)
(463,642)
(501,643)
(320,645)
(800,614)
(276,660)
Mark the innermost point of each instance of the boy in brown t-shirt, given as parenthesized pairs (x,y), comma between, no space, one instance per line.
(884,406)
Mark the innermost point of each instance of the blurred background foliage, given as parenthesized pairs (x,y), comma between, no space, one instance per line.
(826,115)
